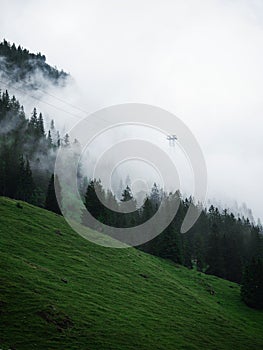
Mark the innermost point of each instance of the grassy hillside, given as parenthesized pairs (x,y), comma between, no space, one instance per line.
(59,291)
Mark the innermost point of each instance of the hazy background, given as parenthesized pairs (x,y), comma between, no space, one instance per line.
(201,60)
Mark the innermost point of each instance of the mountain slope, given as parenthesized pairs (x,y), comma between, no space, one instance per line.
(28,69)
(59,291)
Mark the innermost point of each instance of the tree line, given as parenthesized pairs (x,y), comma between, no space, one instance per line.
(19,64)
(219,243)
(27,152)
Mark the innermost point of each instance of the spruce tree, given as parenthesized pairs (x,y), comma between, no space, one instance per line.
(40,125)
(66,141)
(130,216)
(51,202)
(33,123)
(25,183)
(92,201)
(49,139)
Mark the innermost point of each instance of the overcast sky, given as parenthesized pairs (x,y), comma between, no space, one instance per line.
(201,60)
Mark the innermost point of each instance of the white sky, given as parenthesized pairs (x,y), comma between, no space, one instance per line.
(199,59)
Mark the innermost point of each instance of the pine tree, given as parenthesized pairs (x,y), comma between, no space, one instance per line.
(49,138)
(130,216)
(92,201)
(40,125)
(53,133)
(126,195)
(6,100)
(25,183)
(155,196)
(33,123)
(148,209)
(58,139)
(51,202)
(52,125)
(66,141)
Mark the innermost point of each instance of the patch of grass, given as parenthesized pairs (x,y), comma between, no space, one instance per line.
(59,291)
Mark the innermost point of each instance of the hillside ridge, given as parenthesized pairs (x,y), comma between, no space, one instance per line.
(59,291)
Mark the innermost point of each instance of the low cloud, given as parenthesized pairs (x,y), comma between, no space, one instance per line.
(199,60)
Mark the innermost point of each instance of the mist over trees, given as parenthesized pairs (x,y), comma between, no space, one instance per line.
(19,65)
(27,153)
(219,243)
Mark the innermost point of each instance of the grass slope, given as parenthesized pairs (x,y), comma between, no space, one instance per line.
(59,291)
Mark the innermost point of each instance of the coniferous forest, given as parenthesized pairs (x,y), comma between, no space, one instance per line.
(219,243)
(19,65)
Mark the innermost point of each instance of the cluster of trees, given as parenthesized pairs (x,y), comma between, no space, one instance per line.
(27,152)
(219,243)
(19,64)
